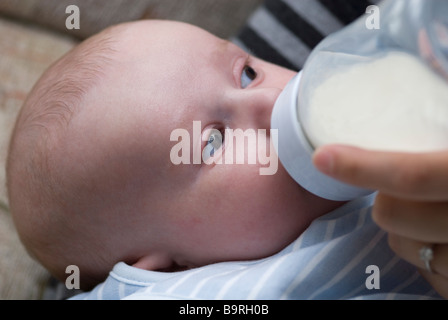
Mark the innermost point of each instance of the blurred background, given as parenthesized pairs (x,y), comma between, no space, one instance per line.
(34,35)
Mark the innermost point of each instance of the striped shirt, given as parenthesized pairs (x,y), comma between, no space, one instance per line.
(342,255)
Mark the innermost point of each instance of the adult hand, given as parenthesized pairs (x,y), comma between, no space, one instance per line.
(412,200)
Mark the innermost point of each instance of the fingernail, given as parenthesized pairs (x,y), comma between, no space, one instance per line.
(324,161)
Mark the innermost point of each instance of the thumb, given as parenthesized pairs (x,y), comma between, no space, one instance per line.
(406,175)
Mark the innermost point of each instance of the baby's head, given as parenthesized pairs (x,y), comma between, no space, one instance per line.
(90,177)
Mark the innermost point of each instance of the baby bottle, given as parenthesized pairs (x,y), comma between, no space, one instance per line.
(380,85)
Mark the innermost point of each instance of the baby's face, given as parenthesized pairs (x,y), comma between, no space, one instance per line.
(175,76)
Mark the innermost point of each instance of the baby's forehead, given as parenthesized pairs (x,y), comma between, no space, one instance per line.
(156,35)
(153,63)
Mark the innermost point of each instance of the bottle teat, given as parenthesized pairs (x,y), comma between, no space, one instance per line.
(295,152)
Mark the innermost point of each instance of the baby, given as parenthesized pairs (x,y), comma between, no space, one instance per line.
(90,178)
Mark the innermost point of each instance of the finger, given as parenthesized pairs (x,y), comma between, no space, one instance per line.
(409,250)
(438,282)
(406,175)
(426,222)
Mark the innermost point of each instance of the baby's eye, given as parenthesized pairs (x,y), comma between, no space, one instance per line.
(214,142)
(247,76)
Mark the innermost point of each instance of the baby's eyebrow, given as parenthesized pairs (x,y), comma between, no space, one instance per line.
(224,45)
(221,49)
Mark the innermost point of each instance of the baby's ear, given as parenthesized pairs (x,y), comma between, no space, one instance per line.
(153,262)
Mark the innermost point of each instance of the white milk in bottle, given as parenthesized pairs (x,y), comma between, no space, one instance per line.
(392,103)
